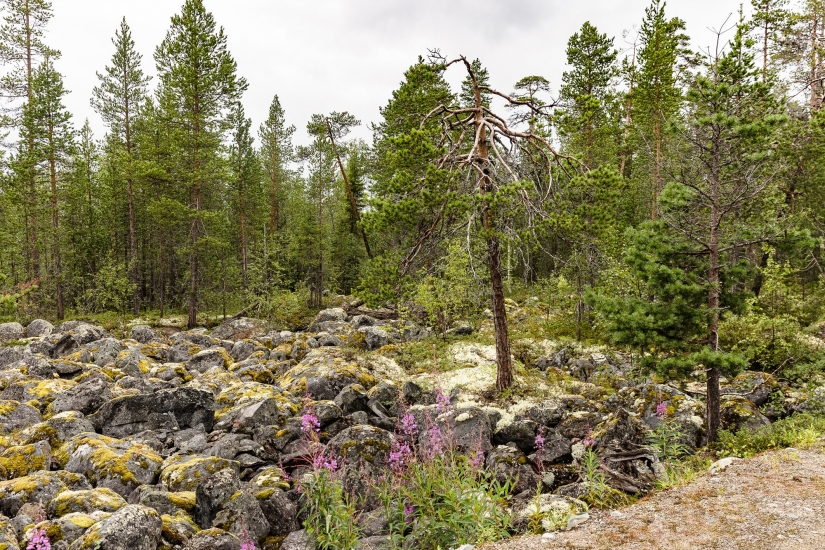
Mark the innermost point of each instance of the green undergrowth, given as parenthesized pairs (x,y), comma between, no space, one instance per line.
(802,431)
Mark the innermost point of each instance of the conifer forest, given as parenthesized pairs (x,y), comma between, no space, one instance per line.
(639,240)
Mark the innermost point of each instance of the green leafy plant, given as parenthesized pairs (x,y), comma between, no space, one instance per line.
(331,514)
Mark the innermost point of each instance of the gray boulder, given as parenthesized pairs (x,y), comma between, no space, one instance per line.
(11,331)
(86,397)
(133,527)
(39,327)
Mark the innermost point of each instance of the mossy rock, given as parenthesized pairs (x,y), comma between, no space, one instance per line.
(165,502)
(185,473)
(92,500)
(108,462)
(8,536)
(68,528)
(23,460)
(58,429)
(241,394)
(16,416)
(37,487)
(42,391)
(330,365)
(269,478)
(178,529)
(133,527)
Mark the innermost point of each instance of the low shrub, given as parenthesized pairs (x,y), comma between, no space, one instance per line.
(800,431)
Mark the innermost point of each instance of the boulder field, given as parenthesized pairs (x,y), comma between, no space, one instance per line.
(193,440)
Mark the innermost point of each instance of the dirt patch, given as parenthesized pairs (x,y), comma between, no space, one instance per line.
(771,502)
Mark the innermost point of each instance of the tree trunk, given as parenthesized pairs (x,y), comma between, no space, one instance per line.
(714,291)
(34,253)
(504,370)
(55,226)
(352,202)
(244,260)
(133,267)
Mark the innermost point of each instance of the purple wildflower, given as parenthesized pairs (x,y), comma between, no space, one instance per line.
(408,425)
(322,462)
(477,459)
(540,441)
(442,400)
(661,410)
(408,512)
(588,440)
(39,541)
(435,441)
(310,423)
(399,456)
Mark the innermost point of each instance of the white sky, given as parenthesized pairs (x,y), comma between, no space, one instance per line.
(349,55)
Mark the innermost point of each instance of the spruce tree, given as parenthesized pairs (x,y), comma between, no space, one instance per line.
(118,98)
(246,174)
(198,85)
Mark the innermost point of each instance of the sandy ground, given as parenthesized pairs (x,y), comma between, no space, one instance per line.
(772,502)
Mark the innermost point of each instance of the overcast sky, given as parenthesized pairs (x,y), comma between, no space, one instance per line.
(349,55)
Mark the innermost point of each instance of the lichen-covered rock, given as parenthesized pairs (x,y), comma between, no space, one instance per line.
(39,327)
(363,452)
(133,527)
(213,539)
(88,501)
(469,429)
(323,373)
(509,464)
(280,512)
(239,329)
(37,487)
(186,473)
(11,331)
(521,431)
(41,391)
(177,529)
(738,413)
(86,397)
(269,478)
(212,494)
(107,462)
(105,351)
(620,430)
(164,502)
(266,412)
(169,409)
(23,460)
(242,512)
(756,387)
(16,416)
(236,395)
(335,314)
(58,429)
(297,540)
(8,536)
(67,529)
(143,334)
(204,360)
(551,511)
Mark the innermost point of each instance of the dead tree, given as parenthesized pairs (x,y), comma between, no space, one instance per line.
(483,146)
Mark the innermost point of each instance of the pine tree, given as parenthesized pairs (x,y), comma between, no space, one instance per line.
(246,174)
(657,94)
(276,152)
(22,46)
(53,141)
(722,199)
(586,90)
(198,84)
(122,90)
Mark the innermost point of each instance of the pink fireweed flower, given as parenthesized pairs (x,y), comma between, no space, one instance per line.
(540,441)
(435,441)
(588,440)
(442,401)
(246,541)
(399,456)
(408,425)
(322,462)
(408,512)
(661,410)
(310,423)
(39,541)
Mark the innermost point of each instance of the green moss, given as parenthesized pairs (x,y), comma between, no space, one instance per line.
(184,500)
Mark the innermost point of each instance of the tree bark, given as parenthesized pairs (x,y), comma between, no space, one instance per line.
(504,370)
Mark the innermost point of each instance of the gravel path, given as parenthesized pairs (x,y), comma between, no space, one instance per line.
(772,502)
